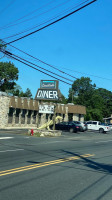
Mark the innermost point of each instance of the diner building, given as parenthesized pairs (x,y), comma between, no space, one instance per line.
(16,112)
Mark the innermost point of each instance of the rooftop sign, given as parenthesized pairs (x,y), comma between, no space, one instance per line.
(49,84)
(48,90)
(47,94)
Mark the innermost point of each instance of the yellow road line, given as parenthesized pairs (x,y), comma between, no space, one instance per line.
(25,168)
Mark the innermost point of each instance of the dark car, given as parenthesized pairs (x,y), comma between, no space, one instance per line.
(82,125)
(67,126)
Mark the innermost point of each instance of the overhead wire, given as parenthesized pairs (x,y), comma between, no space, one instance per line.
(65,16)
(37,15)
(47,21)
(7,6)
(52,66)
(29,64)
(26,15)
(58,68)
(21,60)
(88,74)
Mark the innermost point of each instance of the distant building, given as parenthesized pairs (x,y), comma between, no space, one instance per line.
(108,119)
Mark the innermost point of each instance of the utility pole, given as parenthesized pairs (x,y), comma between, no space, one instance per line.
(72,96)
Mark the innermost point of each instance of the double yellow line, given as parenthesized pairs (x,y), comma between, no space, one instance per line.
(29,167)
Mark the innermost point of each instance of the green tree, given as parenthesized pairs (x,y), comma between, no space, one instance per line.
(107,101)
(10,73)
(17,91)
(81,91)
(98,102)
(27,93)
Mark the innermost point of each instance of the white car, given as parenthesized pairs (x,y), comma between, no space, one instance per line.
(110,125)
(98,126)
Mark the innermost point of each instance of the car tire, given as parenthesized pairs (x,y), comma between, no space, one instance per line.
(101,130)
(71,130)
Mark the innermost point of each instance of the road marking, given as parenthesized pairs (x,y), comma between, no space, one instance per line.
(5,138)
(29,167)
(11,150)
(104,141)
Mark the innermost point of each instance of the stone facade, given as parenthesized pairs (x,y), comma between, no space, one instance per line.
(4,109)
(24,112)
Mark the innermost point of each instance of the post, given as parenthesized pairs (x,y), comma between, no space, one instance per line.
(54,117)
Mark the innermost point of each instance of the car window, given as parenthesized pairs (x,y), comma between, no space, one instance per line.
(95,123)
(89,123)
(77,122)
(70,123)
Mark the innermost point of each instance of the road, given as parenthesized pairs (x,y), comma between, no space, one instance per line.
(70,167)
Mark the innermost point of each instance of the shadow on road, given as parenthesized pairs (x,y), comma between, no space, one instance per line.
(99,167)
(91,164)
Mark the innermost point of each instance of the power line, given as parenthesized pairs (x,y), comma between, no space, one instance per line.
(24,62)
(44,22)
(89,74)
(44,62)
(7,6)
(26,15)
(71,13)
(36,15)
(58,68)
(39,66)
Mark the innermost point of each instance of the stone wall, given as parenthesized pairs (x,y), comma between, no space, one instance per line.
(4,109)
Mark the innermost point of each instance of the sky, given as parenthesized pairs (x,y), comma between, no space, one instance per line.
(80,45)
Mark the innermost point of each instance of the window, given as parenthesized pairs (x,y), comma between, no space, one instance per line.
(95,123)
(89,122)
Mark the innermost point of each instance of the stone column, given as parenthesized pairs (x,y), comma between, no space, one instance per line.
(14,117)
(66,114)
(20,114)
(4,110)
(75,117)
(66,118)
(82,118)
(26,118)
(37,120)
(43,119)
(32,113)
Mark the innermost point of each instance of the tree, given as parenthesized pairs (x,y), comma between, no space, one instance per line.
(98,102)
(17,91)
(10,73)
(82,90)
(27,93)
(2,48)
(107,101)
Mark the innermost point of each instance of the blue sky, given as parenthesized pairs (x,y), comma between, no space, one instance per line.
(80,45)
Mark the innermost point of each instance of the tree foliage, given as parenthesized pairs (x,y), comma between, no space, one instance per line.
(97,101)
(10,73)
(17,91)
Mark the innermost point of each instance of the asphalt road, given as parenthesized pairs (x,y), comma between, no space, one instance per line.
(73,166)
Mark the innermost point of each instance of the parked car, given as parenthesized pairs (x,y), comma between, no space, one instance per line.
(67,126)
(82,125)
(98,126)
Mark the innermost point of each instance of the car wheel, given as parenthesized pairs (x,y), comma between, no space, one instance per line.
(101,130)
(71,130)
